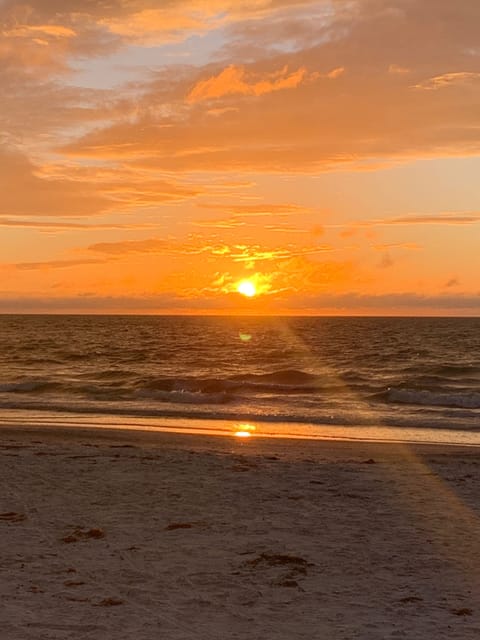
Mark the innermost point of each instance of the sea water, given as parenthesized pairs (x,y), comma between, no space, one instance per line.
(413,378)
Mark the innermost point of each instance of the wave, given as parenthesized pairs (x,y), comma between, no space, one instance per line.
(109,374)
(285,377)
(108,388)
(185,397)
(30,386)
(289,381)
(279,389)
(445,370)
(285,381)
(191,385)
(424,397)
(457,370)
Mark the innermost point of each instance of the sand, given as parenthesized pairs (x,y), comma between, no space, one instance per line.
(116,535)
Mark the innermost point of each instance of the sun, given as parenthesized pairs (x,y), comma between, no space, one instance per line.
(247,288)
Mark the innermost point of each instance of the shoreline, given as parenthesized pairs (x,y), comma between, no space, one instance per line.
(222,441)
(236,429)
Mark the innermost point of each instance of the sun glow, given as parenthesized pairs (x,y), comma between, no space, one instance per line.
(247,288)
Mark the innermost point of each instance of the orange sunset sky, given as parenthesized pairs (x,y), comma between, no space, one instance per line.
(155,154)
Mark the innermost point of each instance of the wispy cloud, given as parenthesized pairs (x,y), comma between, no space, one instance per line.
(53,264)
(448,79)
(386,261)
(45,226)
(438,219)
(68,191)
(148,24)
(227,223)
(256,209)
(413,219)
(39,31)
(453,282)
(27,194)
(249,254)
(398,69)
(247,215)
(410,246)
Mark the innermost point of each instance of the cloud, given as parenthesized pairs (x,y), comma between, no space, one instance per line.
(391,303)
(397,69)
(24,193)
(287,228)
(453,282)
(258,209)
(40,30)
(125,247)
(285,274)
(235,80)
(228,223)
(246,215)
(348,121)
(447,79)
(148,24)
(248,254)
(278,87)
(45,36)
(386,261)
(413,219)
(29,190)
(227,283)
(350,303)
(42,37)
(36,112)
(334,73)
(220,112)
(411,246)
(92,303)
(439,219)
(52,264)
(154,26)
(45,226)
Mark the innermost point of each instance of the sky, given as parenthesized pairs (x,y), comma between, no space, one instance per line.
(156,154)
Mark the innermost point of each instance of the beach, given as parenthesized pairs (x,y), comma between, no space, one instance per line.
(121,534)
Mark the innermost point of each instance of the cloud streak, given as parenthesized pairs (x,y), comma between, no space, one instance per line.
(240,253)
(447,80)
(449,219)
(345,304)
(45,226)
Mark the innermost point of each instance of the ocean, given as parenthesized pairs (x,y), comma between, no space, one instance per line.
(382,378)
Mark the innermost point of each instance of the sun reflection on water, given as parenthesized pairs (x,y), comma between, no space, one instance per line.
(245,430)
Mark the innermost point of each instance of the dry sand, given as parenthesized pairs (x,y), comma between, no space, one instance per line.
(121,535)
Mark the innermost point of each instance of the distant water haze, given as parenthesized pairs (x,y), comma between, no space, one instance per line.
(409,373)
